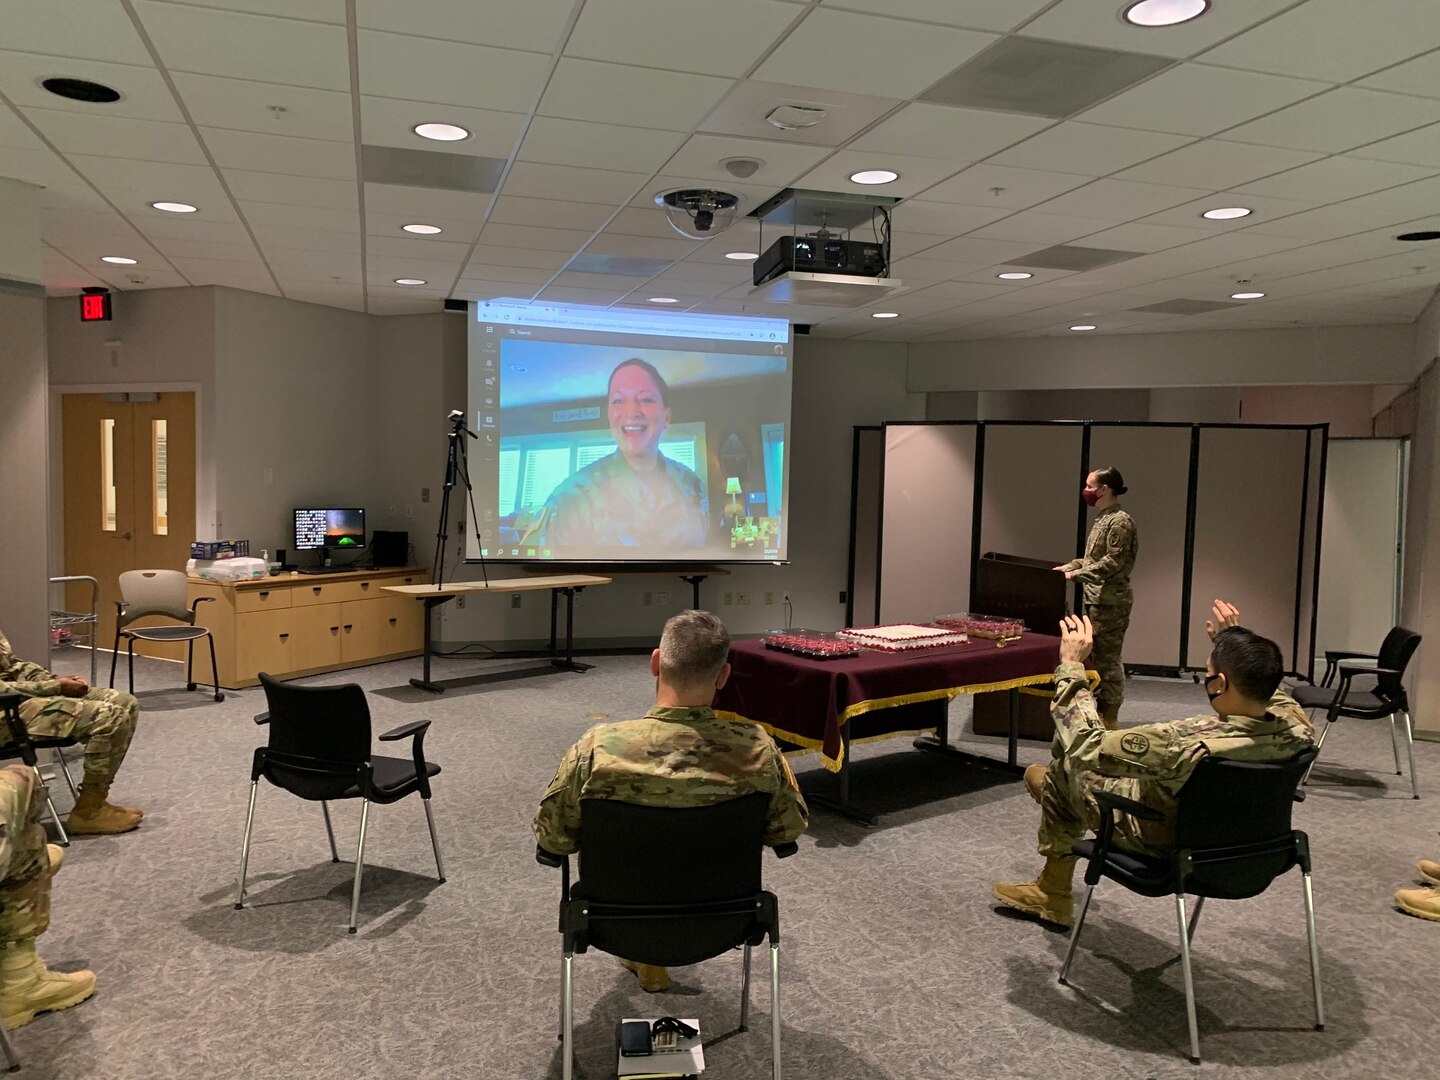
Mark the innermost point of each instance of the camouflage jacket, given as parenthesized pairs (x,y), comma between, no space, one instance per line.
(1109,557)
(609,504)
(1159,758)
(670,757)
(23,677)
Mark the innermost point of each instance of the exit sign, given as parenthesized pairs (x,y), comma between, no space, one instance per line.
(95,307)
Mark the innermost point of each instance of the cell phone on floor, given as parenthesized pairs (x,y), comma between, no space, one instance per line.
(634,1037)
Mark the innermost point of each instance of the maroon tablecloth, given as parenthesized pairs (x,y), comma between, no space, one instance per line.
(807,702)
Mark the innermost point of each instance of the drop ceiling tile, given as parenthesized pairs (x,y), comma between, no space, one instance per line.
(1339,120)
(916,173)
(507,24)
(1088,148)
(1417,198)
(838,49)
(946,131)
(117,136)
(388,122)
(904,244)
(534,258)
(729,274)
(458,229)
(404,305)
(297,190)
(1041,229)
(978,251)
(1420,76)
(918,271)
(745,108)
(479,272)
(200,248)
(532,180)
(44,168)
(571,279)
(637,221)
(208,271)
(584,142)
(161,227)
(266,108)
(1096,22)
(1420,147)
(1120,200)
(973,14)
(144,95)
(493,290)
(549,213)
(949,219)
(241,46)
(1138,236)
(155,180)
(447,72)
(79,28)
(781,163)
(1197,99)
(65,198)
(419,202)
(405,246)
(1263,209)
(647,32)
(600,297)
(1328,222)
(291,216)
(642,247)
(151,279)
(1334,40)
(1217,164)
(529,236)
(1235,247)
(683,288)
(1017,188)
(319,158)
(1336,178)
(668,100)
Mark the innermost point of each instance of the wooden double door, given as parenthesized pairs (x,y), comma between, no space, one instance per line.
(129,475)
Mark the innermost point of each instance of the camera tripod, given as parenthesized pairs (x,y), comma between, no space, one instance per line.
(457,472)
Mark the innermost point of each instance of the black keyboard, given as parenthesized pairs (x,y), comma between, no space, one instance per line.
(326,569)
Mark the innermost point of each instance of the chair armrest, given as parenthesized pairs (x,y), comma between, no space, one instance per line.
(548,858)
(785,850)
(10,706)
(404,731)
(262,718)
(1349,671)
(1108,800)
(200,600)
(1331,655)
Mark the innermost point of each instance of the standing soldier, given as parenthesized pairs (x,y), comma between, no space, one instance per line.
(1104,570)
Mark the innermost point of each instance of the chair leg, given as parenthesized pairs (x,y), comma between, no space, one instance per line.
(774,1010)
(434,840)
(65,772)
(1314,951)
(1320,742)
(1075,935)
(567,1017)
(329,831)
(745,991)
(1189,980)
(359,862)
(12,1060)
(190,665)
(54,814)
(131,660)
(245,846)
(215,670)
(1410,749)
(114,658)
(1195,916)
(1395,743)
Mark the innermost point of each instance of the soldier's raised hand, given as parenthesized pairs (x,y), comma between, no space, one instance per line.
(1076,638)
(1226,615)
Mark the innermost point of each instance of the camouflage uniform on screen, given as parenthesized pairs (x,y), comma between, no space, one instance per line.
(1105,573)
(1149,764)
(104,720)
(609,504)
(675,757)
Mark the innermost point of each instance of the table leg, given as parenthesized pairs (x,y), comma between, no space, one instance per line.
(941,744)
(569,663)
(842,805)
(554,606)
(424,683)
(694,580)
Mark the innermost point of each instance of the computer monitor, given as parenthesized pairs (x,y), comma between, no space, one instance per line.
(329,530)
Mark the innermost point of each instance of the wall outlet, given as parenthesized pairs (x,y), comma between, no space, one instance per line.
(460,601)
(515,600)
(645,599)
(424,494)
(842,596)
(742,598)
(662,599)
(729,599)
(769,598)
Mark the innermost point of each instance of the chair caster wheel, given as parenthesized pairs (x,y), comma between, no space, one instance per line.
(352,929)
(239,907)
(189,686)
(219,697)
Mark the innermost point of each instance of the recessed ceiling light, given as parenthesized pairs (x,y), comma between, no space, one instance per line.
(81,90)
(409,281)
(1227,213)
(175,207)
(742,256)
(1082,326)
(423,230)
(1246,295)
(1164,12)
(1014,275)
(874,176)
(1414,236)
(663,300)
(118,260)
(441,132)
(885,315)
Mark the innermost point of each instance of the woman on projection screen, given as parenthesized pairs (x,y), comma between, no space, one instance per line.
(635,497)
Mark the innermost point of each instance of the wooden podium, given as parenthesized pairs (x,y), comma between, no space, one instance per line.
(1018,588)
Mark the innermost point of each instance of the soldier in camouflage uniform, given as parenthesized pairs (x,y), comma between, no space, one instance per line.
(1105,572)
(1254,720)
(104,720)
(634,497)
(679,754)
(27,864)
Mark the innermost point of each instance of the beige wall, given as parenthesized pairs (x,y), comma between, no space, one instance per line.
(1347,409)
(24,535)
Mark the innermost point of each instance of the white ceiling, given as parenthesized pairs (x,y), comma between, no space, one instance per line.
(1322,115)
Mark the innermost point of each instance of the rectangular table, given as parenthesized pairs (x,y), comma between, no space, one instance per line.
(567,584)
(814,704)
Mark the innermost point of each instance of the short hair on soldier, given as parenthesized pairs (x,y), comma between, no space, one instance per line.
(649,369)
(1111,478)
(1253,664)
(693,648)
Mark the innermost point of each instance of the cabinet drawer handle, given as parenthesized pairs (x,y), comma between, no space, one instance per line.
(349,626)
(392,622)
(316,589)
(364,585)
(284,637)
(265,593)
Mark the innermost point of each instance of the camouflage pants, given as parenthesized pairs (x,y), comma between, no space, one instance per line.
(1110,622)
(104,720)
(24,862)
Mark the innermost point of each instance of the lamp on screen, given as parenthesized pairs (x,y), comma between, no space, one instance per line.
(732,488)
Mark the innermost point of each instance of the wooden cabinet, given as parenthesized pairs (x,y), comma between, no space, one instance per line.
(302,624)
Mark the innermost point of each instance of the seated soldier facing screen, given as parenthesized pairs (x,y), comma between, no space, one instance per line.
(1254,721)
(679,754)
(104,720)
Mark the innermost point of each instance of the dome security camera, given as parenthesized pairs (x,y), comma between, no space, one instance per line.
(696,213)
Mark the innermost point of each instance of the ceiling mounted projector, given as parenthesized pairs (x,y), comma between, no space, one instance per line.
(696,213)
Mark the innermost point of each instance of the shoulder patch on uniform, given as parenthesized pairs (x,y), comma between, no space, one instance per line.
(1135,743)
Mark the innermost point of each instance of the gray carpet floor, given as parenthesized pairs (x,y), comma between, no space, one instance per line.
(895,962)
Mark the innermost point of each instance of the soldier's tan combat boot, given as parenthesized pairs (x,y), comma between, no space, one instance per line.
(1422,903)
(28,987)
(1048,897)
(1035,780)
(1110,716)
(93,815)
(57,859)
(653,979)
(1428,870)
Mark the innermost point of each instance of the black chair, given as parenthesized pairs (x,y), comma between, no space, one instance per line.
(320,750)
(160,592)
(1387,699)
(1232,839)
(703,897)
(23,746)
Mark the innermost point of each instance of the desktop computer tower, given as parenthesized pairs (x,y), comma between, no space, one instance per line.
(390,548)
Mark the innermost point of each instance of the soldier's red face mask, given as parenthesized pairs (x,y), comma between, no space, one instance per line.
(1090,495)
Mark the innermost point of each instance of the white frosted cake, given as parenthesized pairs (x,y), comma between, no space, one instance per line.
(901,637)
